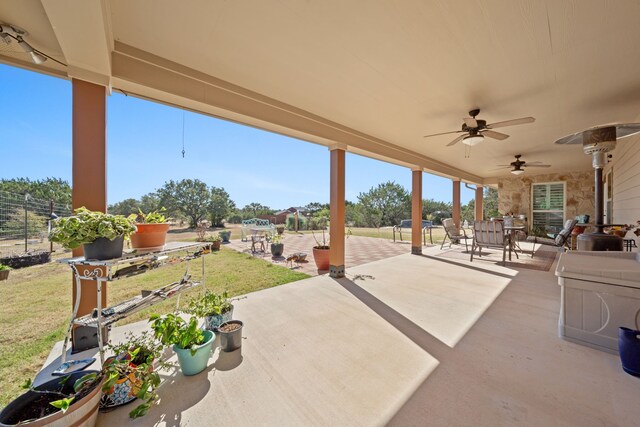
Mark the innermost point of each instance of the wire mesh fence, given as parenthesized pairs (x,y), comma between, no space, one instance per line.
(25,221)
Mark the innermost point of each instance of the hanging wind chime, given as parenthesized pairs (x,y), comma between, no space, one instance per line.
(183,151)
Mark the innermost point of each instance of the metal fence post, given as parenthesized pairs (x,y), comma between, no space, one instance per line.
(26,230)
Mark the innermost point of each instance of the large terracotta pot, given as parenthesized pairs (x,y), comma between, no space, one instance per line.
(321,257)
(149,236)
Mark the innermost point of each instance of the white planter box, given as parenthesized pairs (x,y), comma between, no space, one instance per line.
(600,291)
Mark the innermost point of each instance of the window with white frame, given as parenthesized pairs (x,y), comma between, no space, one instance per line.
(547,206)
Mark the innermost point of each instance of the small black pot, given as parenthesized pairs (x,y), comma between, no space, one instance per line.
(230,341)
(277,249)
(103,248)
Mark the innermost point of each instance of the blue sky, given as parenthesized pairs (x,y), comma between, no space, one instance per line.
(251,164)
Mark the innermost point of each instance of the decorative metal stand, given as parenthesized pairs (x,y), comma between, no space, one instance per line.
(129,265)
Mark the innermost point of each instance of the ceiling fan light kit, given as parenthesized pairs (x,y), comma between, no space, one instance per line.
(472,140)
(474,130)
(517,171)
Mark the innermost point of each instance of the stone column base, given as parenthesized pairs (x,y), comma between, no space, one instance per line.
(336,271)
(416,250)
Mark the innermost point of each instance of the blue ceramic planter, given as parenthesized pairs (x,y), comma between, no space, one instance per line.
(212,323)
(191,365)
(629,347)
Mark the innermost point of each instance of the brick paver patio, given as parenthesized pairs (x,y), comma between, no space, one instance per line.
(358,250)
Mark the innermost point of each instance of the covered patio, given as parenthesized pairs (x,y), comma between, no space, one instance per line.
(429,340)
(475,344)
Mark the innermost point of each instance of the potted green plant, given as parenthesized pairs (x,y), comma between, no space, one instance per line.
(214,308)
(191,344)
(4,272)
(101,234)
(277,247)
(280,229)
(215,242)
(321,252)
(151,231)
(225,235)
(69,400)
(131,374)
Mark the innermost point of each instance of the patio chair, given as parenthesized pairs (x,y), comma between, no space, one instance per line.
(561,240)
(489,234)
(454,234)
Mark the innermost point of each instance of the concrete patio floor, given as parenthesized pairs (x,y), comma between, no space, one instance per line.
(426,341)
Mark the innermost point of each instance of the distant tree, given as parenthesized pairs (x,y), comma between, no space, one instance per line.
(468,211)
(124,207)
(254,209)
(314,207)
(150,202)
(55,189)
(435,210)
(220,206)
(490,202)
(386,204)
(190,197)
(353,214)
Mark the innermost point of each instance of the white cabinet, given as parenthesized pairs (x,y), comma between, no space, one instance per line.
(600,291)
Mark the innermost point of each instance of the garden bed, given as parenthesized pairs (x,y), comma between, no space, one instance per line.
(27,259)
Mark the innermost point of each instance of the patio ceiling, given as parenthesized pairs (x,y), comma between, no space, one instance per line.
(374,76)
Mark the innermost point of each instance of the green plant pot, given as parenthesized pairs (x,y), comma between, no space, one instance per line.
(277,249)
(194,364)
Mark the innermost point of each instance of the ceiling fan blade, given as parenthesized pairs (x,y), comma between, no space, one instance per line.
(455,141)
(443,133)
(522,121)
(536,166)
(495,135)
(471,122)
(504,166)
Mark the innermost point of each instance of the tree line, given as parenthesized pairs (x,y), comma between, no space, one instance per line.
(192,201)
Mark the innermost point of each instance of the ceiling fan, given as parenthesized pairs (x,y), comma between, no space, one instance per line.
(517,166)
(474,130)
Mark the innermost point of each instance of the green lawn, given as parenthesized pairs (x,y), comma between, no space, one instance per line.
(36,304)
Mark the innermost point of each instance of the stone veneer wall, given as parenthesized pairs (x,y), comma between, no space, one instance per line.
(515,193)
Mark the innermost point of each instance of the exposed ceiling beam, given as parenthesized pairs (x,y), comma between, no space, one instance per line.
(83,30)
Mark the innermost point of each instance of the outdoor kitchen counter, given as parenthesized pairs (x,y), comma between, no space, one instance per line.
(600,291)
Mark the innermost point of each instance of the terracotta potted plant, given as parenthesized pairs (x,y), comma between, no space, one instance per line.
(101,234)
(215,242)
(214,308)
(4,272)
(280,229)
(321,252)
(64,401)
(191,344)
(151,231)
